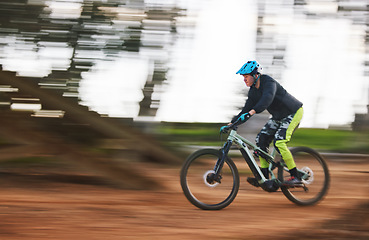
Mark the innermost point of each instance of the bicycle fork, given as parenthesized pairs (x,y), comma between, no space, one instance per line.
(219,164)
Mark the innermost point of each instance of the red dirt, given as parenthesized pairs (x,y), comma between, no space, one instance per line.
(41,205)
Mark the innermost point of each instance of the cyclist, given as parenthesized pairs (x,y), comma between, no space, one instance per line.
(267,94)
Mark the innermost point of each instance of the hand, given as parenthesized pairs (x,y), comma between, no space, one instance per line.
(244,117)
(224,129)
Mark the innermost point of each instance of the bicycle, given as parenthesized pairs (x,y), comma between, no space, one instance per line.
(210,179)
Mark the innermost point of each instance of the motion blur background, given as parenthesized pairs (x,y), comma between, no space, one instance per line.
(89,71)
(99,97)
(175,61)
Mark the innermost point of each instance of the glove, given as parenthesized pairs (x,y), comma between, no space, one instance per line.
(244,117)
(224,129)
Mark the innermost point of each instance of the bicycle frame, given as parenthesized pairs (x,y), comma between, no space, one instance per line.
(245,146)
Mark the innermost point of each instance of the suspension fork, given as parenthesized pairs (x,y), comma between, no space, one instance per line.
(219,165)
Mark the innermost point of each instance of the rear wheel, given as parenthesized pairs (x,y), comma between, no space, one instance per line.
(314,172)
(200,185)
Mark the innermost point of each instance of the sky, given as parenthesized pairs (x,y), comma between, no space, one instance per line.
(323,65)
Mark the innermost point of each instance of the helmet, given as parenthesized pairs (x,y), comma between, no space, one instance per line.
(251,67)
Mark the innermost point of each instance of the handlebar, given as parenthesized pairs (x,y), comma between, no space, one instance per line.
(234,125)
(242,119)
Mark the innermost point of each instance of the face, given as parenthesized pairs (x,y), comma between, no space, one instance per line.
(248,79)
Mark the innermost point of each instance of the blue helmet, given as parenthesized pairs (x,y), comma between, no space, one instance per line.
(251,67)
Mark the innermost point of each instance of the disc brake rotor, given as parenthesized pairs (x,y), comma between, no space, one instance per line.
(206,176)
(310,173)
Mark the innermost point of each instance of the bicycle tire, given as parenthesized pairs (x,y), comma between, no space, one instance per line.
(205,195)
(317,177)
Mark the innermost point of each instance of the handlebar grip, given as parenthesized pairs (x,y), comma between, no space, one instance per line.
(234,125)
(242,119)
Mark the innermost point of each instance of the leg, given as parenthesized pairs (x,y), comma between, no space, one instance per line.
(283,136)
(265,137)
(263,140)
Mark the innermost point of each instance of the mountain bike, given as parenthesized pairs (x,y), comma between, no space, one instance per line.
(210,179)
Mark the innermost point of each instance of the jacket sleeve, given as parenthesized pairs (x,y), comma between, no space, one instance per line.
(248,106)
(270,89)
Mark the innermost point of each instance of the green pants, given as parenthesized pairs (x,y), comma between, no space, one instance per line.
(281,132)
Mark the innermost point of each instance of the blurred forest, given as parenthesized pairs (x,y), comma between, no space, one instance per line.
(56,124)
(103,29)
(57,155)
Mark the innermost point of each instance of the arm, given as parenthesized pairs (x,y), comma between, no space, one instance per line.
(247,108)
(267,97)
(252,107)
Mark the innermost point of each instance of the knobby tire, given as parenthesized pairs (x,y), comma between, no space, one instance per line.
(194,187)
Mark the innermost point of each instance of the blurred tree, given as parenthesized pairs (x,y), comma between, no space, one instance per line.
(93,35)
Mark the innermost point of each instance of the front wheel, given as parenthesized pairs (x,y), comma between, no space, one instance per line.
(314,172)
(202,187)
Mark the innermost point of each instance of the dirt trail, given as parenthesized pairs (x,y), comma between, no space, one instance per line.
(35,204)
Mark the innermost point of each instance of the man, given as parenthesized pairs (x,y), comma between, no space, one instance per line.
(267,94)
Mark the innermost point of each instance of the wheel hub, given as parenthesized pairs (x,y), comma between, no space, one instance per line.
(308,178)
(209,179)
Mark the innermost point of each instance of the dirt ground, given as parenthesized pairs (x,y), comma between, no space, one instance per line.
(45,204)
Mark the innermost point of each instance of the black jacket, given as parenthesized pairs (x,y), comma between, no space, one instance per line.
(272,97)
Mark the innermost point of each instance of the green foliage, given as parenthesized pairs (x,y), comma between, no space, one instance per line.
(187,132)
(332,140)
(320,139)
